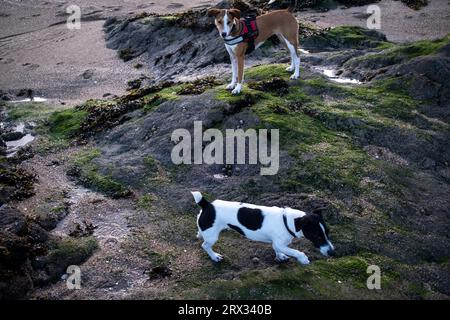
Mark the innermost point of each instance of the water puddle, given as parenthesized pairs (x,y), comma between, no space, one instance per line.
(35,99)
(331,74)
(88,206)
(13,146)
(20,127)
(220,176)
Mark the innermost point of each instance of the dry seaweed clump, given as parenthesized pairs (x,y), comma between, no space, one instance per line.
(15,183)
(276,85)
(415,4)
(137,94)
(21,240)
(198,86)
(104,114)
(190,20)
(127,54)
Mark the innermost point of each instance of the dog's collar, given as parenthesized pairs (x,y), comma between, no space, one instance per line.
(233,41)
(287,227)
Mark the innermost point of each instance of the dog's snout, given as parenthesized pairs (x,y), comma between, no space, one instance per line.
(331,253)
(224,34)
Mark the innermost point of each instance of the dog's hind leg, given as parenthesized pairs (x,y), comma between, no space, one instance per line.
(210,237)
(283,40)
(292,66)
(295,58)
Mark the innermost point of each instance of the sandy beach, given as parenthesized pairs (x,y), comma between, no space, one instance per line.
(399,22)
(39,52)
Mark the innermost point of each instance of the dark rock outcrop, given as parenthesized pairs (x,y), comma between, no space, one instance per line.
(13,135)
(424,77)
(179,45)
(15,183)
(344,38)
(20,241)
(415,4)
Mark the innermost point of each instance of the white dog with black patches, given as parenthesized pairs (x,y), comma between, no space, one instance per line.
(278,226)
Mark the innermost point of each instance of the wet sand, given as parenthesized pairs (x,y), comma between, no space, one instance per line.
(39,52)
(399,22)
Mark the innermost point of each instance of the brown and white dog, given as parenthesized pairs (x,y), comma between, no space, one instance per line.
(280,22)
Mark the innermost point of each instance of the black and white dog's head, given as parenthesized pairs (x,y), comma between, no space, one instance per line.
(315,230)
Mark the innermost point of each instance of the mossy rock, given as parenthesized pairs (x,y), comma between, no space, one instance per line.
(396,54)
(84,169)
(345,277)
(345,37)
(67,252)
(66,124)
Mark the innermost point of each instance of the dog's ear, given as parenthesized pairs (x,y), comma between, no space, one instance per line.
(300,223)
(318,211)
(235,13)
(213,12)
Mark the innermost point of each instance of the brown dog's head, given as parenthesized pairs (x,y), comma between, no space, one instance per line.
(226,20)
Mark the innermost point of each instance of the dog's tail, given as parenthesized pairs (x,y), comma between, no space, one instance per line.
(199,198)
(292,5)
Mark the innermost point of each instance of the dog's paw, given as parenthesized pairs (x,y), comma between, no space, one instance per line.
(295,76)
(237,89)
(303,259)
(217,257)
(290,69)
(281,258)
(231,86)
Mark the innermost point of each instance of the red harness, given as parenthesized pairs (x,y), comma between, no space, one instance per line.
(249,29)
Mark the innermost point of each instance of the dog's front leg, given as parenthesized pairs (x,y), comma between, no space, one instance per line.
(300,256)
(233,69)
(240,80)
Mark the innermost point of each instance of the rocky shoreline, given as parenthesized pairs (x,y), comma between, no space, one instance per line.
(41,28)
